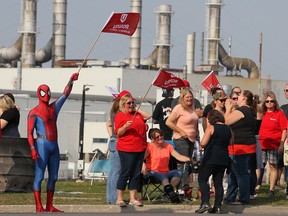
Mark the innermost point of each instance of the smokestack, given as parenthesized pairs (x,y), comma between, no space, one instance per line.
(28,31)
(213,30)
(59,30)
(190,56)
(135,40)
(163,35)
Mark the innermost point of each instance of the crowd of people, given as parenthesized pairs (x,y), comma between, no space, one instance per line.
(241,135)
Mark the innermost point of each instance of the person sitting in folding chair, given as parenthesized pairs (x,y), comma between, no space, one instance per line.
(157,158)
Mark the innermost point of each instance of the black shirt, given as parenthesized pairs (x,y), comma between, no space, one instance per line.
(160,115)
(12,116)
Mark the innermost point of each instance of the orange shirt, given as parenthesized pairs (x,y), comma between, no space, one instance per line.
(158,157)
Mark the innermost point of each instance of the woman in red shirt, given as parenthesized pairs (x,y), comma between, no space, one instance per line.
(272,134)
(130,128)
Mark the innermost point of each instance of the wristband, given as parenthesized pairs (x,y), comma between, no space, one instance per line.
(32,147)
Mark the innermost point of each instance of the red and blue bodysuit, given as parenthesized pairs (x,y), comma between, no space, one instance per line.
(45,149)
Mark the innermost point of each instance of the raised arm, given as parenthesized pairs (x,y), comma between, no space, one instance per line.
(69,85)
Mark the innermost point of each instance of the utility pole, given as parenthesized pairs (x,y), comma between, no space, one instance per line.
(81,134)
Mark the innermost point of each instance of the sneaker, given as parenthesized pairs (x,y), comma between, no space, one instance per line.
(253,197)
(270,194)
(181,192)
(203,208)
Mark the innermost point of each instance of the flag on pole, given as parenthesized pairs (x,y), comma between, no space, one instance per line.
(211,81)
(167,80)
(112,91)
(122,23)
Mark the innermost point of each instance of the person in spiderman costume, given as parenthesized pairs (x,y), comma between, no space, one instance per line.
(45,149)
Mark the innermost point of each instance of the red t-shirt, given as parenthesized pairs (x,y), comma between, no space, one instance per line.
(273,123)
(134,139)
(158,157)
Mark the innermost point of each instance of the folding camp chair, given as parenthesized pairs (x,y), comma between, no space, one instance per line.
(98,168)
(151,188)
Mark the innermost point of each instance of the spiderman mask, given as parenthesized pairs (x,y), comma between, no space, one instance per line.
(44,93)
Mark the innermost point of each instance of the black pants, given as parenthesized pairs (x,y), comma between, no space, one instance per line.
(217,173)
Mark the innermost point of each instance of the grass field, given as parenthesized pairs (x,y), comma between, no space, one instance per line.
(83,193)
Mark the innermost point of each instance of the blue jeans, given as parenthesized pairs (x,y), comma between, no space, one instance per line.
(113,175)
(131,166)
(239,179)
(169,175)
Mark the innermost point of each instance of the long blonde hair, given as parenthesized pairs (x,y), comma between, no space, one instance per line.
(6,102)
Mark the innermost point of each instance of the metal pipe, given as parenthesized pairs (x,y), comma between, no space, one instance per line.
(135,40)
(59,31)
(190,55)
(163,35)
(8,54)
(28,31)
(44,54)
(213,30)
(232,63)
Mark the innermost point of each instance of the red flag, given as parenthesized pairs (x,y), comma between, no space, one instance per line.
(211,81)
(167,80)
(122,23)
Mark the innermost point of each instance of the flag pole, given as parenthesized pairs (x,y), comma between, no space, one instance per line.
(147,92)
(93,45)
(142,101)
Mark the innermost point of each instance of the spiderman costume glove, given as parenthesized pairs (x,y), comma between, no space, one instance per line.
(74,77)
(34,154)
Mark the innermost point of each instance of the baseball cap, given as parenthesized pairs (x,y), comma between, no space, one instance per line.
(219,95)
(186,83)
(124,92)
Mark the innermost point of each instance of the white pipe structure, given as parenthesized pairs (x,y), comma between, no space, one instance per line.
(28,31)
(237,64)
(135,40)
(44,54)
(59,30)
(213,19)
(163,35)
(9,54)
(190,55)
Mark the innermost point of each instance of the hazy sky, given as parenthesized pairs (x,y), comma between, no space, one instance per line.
(243,20)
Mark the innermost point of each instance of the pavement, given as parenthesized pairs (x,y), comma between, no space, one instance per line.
(226,209)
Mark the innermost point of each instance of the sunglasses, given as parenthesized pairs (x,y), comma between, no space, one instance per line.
(286,90)
(130,102)
(158,137)
(269,101)
(238,93)
(235,98)
(222,100)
